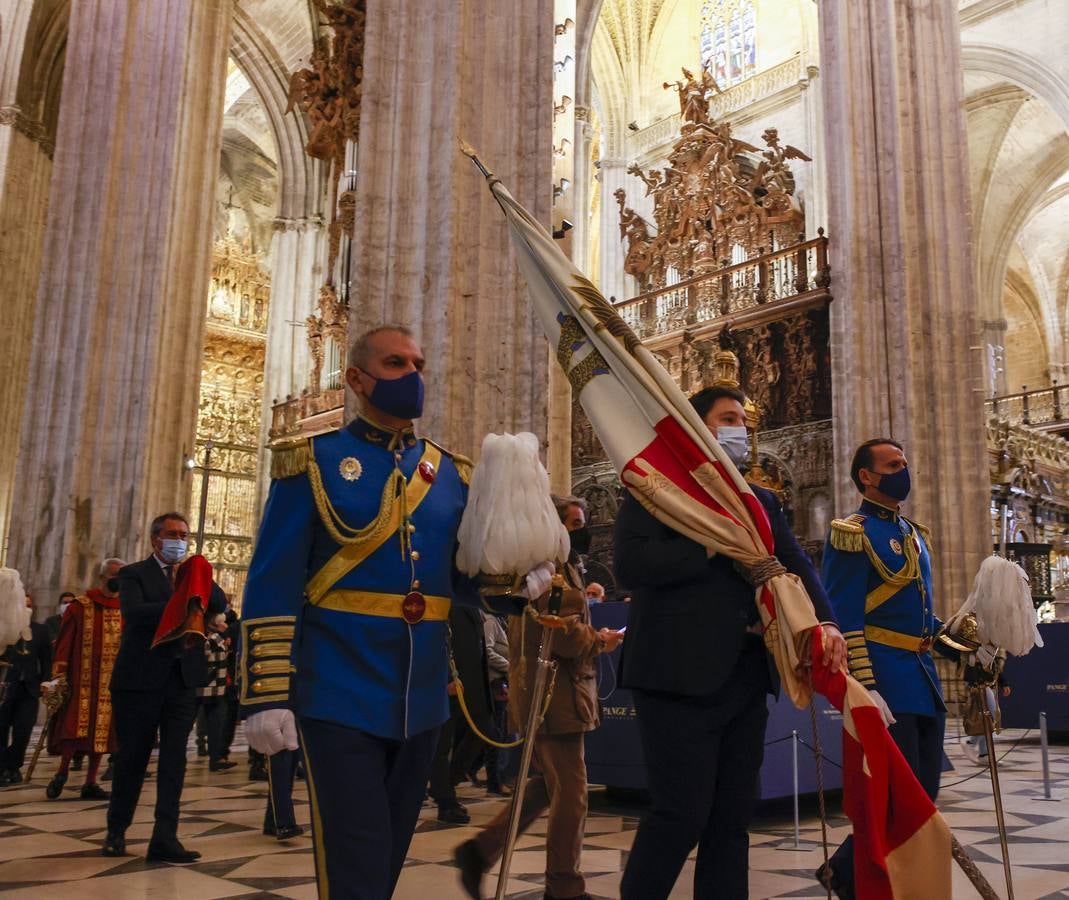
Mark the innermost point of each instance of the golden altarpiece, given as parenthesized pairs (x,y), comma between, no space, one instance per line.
(227,449)
(726,273)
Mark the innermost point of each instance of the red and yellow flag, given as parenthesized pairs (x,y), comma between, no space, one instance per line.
(672,464)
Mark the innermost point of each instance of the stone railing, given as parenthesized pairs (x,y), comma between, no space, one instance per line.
(1037,408)
(739,96)
(774,278)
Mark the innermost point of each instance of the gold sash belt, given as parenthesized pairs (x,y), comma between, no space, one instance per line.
(369,603)
(910,642)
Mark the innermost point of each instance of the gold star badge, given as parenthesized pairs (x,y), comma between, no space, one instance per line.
(350,468)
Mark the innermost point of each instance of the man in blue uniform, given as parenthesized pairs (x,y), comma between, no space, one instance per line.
(344,635)
(878,574)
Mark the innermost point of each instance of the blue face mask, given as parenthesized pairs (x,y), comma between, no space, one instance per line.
(735,441)
(172,550)
(895,485)
(401,397)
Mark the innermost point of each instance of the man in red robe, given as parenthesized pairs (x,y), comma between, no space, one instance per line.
(85,652)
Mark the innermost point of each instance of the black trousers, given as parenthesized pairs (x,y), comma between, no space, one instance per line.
(703,758)
(137,715)
(230,722)
(281,770)
(366,795)
(214,710)
(920,738)
(18,713)
(458,748)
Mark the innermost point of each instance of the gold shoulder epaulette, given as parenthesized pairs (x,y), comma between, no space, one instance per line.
(463,463)
(848,534)
(926,533)
(290,458)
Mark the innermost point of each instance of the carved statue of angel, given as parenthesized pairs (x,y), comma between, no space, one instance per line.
(653,180)
(774,168)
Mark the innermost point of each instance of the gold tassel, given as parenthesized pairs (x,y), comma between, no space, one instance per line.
(847,536)
(289,459)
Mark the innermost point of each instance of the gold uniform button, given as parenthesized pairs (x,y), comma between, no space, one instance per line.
(415,555)
(411,529)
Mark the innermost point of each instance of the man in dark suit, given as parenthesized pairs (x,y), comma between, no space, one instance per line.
(696,663)
(154,689)
(53,622)
(30,664)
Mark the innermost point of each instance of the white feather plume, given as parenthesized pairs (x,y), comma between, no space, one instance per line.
(510,524)
(14,613)
(1002,603)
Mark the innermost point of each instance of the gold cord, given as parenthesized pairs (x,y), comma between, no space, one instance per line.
(333,521)
(910,570)
(500,745)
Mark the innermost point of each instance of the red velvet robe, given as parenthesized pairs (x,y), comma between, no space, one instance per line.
(85,652)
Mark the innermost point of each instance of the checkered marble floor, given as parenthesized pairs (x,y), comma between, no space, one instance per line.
(51,849)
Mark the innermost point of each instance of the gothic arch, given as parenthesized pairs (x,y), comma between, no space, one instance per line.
(301,178)
(1024,71)
(993,271)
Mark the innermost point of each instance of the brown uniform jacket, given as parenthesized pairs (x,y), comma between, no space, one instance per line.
(574,706)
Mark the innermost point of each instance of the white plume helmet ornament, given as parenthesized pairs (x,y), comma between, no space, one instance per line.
(1001,601)
(510,524)
(15,615)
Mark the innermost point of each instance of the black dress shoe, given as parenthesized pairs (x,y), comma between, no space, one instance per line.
(171,852)
(94,792)
(220,766)
(114,845)
(498,790)
(55,787)
(829,879)
(202,749)
(453,814)
(14,776)
(288,832)
(257,773)
(469,859)
(76,764)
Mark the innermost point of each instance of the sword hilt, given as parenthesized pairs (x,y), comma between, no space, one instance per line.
(556,596)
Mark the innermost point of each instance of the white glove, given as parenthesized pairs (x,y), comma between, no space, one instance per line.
(272,730)
(881,705)
(538,581)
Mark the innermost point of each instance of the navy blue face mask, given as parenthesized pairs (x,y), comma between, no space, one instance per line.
(895,485)
(401,397)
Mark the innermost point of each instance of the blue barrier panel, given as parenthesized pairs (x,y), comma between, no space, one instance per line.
(614,752)
(1040,682)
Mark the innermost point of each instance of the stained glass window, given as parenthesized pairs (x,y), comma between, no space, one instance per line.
(728,40)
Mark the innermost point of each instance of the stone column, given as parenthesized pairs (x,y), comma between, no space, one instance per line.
(298,257)
(430,246)
(904,316)
(115,359)
(614,282)
(31,66)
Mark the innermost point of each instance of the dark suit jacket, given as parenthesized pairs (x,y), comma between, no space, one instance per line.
(143,594)
(53,623)
(689,613)
(34,663)
(469,652)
